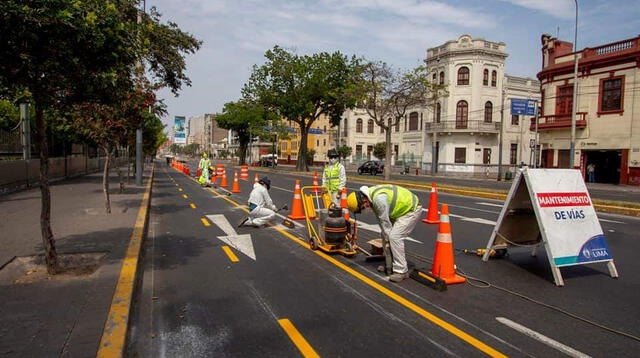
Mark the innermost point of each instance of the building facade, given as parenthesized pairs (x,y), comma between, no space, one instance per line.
(204,131)
(358,131)
(608,109)
(321,138)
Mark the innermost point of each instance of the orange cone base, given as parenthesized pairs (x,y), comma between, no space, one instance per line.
(453,280)
(236,191)
(431,221)
(296,217)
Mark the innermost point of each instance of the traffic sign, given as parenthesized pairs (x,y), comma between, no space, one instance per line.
(523,106)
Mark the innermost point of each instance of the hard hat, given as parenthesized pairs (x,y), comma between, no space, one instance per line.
(204,155)
(332,153)
(354,201)
(265,181)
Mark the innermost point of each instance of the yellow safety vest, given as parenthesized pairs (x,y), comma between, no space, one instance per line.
(332,177)
(401,200)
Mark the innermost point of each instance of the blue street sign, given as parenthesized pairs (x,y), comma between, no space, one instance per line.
(315,131)
(523,106)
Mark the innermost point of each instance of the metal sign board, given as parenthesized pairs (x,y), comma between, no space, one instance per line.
(179,135)
(523,106)
(552,207)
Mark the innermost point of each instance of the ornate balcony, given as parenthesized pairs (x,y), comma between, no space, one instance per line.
(463,126)
(559,121)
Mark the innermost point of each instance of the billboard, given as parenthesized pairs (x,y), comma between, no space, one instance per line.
(179,134)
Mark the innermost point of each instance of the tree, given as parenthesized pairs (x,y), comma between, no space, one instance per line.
(311,153)
(245,119)
(344,151)
(380,150)
(301,88)
(61,52)
(175,149)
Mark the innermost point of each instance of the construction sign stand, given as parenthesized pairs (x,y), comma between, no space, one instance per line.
(552,207)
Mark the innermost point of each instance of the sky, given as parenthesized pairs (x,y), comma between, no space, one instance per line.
(236,33)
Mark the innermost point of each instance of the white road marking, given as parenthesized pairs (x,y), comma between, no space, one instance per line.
(542,338)
(473,220)
(293,221)
(283,189)
(611,221)
(489,204)
(240,242)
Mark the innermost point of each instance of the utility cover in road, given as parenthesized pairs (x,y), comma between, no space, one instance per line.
(552,206)
(240,242)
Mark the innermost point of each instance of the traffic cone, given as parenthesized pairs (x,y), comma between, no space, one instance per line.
(256,179)
(432,213)
(343,204)
(315,183)
(236,184)
(443,266)
(296,205)
(244,173)
(223,183)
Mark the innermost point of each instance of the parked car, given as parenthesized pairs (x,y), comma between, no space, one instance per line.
(372,167)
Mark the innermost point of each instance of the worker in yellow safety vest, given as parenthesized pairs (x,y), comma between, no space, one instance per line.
(204,170)
(398,211)
(334,176)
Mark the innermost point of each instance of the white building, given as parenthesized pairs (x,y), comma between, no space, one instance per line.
(358,131)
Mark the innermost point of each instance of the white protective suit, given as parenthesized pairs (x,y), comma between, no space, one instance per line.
(265,211)
(342,177)
(395,232)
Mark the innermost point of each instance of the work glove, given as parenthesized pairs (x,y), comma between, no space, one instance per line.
(274,208)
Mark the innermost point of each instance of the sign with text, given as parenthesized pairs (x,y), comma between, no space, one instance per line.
(523,106)
(179,134)
(552,207)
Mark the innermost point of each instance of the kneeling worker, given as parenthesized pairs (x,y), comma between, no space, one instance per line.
(261,207)
(334,177)
(398,211)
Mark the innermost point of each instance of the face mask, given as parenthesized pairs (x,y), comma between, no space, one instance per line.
(333,160)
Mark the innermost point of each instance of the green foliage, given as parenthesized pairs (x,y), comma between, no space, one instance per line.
(311,153)
(191,149)
(9,115)
(344,151)
(380,150)
(223,154)
(245,119)
(175,149)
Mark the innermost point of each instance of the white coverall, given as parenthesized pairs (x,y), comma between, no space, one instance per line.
(265,211)
(395,232)
(342,177)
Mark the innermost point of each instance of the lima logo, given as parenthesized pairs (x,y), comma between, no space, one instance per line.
(586,253)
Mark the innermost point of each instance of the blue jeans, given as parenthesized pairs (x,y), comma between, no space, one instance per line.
(592,177)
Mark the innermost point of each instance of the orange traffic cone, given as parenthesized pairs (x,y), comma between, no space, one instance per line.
(236,184)
(223,183)
(432,213)
(443,266)
(343,204)
(296,204)
(244,173)
(315,183)
(256,179)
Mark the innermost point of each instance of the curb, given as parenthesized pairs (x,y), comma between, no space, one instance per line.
(599,204)
(114,334)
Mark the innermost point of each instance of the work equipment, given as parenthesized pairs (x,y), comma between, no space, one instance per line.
(236,184)
(443,266)
(244,173)
(432,213)
(296,205)
(343,204)
(255,179)
(315,183)
(223,182)
(328,230)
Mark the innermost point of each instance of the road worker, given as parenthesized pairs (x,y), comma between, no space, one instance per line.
(398,211)
(334,177)
(261,207)
(204,165)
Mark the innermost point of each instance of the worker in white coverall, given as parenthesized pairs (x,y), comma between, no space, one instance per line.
(398,211)
(204,169)
(261,207)
(334,177)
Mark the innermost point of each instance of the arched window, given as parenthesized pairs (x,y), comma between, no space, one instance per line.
(413,121)
(485,77)
(494,78)
(370,126)
(438,112)
(462,114)
(488,112)
(434,77)
(345,132)
(441,78)
(463,76)
(359,125)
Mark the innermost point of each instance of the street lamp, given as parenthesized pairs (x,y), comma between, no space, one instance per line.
(574,106)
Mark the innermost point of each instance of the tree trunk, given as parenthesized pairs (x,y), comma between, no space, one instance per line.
(105,181)
(121,178)
(387,165)
(301,163)
(242,155)
(48,241)
(129,165)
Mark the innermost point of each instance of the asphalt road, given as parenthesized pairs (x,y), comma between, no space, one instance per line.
(196,302)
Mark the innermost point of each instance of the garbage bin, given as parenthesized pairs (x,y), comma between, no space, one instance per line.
(508,175)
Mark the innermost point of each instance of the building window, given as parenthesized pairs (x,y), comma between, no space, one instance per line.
(421,120)
(405,122)
(294,145)
(463,76)
(494,78)
(381,130)
(345,133)
(485,78)
(513,154)
(413,121)
(542,100)
(460,155)
(317,142)
(515,119)
(397,125)
(359,125)
(488,112)
(358,150)
(395,151)
(324,142)
(486,156)
(435,77)
(370,126)
(462,114)
(441,78)
(611,90)
(564,100)
(369,151)
(324,130)
(438,112)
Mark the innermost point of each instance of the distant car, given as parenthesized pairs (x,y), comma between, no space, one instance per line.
(372,167)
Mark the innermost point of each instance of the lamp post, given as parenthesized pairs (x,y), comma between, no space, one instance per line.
(574,104)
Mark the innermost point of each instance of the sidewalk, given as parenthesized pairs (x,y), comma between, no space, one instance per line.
(63,316)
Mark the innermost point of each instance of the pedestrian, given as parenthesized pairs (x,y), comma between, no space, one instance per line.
(591,172)
(261,207)
(204,170)
(398,211)
(334,177)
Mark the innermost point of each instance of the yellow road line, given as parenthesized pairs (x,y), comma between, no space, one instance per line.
(205,222)
(192,205)
(230,253)
(112,343)
(185,196)
(297,338)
